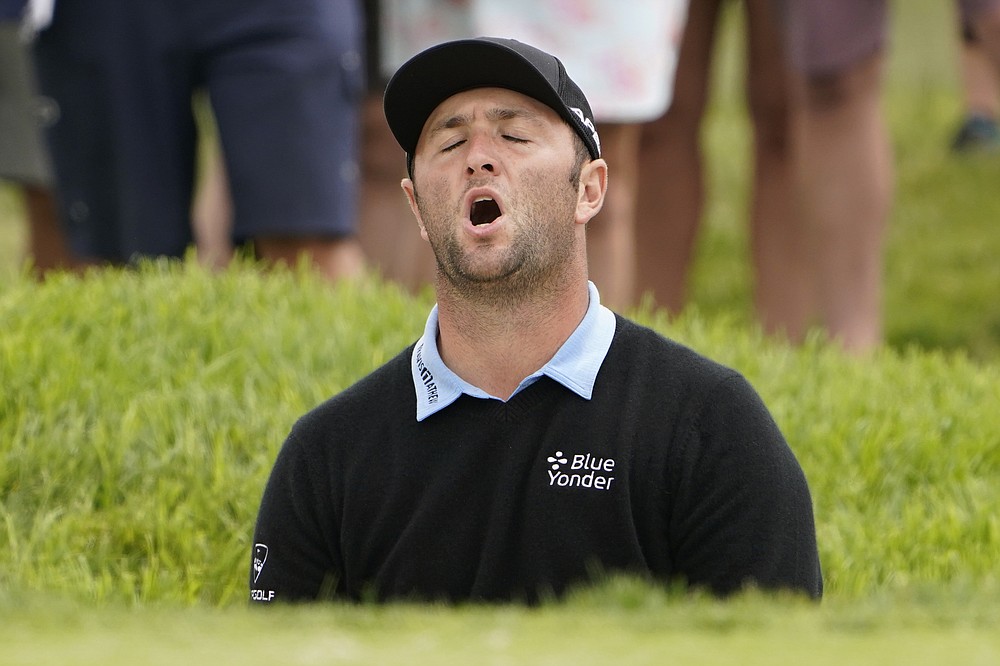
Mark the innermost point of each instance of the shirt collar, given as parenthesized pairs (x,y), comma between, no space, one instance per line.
(575,365)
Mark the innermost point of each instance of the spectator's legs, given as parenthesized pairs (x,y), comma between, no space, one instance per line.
(986,26)
(47,245)
(334,258)
(979,20)
(611,246)
(845,171)
(778,242)
(122,143)
(286,83)
(211,215)
(212,210)
(670,181)
(389,234)
(980,87)
(982,63)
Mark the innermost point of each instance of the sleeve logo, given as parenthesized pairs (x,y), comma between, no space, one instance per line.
(259,557)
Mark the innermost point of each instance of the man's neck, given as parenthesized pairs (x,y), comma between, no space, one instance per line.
(494,347)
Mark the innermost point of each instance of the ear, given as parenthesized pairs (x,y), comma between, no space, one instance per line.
(411,198)
(593,187)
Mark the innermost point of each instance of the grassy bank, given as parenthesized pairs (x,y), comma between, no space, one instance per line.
(618,624)
(141,412)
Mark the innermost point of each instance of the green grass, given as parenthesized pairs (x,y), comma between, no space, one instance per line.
(146,406)
(140,412)
(624,623)
(13,232)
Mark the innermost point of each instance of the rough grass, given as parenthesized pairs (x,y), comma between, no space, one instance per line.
(140,412)
(621,623)
(142,409)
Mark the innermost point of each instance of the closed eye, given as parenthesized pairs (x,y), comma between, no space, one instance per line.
(508,137)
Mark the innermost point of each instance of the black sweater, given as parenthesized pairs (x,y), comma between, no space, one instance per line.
(675,469)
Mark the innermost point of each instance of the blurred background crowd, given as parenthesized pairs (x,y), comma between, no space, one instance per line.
(144,129)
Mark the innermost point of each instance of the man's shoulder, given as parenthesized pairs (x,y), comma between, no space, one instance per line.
(648,365)
(642,345)
(386,376)
(386,389)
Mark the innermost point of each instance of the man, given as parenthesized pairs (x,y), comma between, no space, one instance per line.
(623,55)
(284,80)
(531,439)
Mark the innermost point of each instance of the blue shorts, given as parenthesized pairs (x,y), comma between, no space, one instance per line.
(285,79)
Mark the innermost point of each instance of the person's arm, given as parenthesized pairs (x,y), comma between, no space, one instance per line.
(742,512)
(294,553)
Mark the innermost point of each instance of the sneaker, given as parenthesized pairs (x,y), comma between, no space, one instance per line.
(977,133)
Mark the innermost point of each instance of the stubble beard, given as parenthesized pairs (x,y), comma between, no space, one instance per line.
(541,245)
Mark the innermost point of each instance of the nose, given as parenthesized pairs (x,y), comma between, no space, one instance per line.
(480,157)
(486,166)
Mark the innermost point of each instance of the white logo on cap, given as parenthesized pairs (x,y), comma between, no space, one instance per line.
(589,124)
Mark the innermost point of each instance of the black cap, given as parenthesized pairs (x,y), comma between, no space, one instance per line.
(434,75)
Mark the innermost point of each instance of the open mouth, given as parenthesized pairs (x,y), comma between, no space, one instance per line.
(484,211)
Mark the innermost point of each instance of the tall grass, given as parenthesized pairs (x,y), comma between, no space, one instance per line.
(142,409)
(139,410)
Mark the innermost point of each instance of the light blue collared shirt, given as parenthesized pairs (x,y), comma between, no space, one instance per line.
(575,365)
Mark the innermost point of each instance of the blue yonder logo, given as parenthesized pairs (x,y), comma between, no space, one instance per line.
(581,470)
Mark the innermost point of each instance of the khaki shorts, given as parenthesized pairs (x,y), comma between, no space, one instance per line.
(23,153)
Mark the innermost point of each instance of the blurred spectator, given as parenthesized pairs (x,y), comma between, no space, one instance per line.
(843,155)
(284,78)
(24,160)
(623,55)
(386,227)
(671,182)
(980,97)
(981,18)
(212,209)
(843,161)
